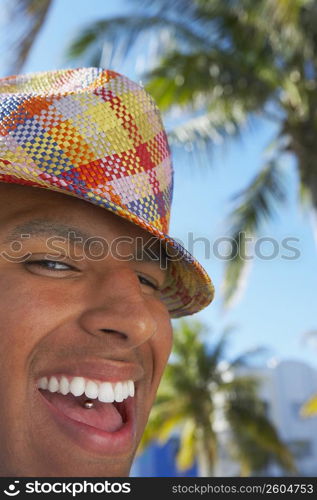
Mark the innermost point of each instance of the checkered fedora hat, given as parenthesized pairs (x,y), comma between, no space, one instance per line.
(96,135)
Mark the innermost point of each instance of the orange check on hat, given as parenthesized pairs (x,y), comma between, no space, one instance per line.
(96,135)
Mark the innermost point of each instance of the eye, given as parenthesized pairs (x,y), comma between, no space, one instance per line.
(50,265)
(147,282)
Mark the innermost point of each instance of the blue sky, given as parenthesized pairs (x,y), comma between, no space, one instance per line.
(279,301)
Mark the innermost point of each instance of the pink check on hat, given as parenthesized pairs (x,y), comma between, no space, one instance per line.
(96,135)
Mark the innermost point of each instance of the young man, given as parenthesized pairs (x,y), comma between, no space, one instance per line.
(89,278)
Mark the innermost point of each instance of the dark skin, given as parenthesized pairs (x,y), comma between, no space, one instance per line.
(106,309)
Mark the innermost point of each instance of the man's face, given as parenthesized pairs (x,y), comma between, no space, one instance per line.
(78,313)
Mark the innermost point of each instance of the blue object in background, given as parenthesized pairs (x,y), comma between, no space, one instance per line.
(159,461)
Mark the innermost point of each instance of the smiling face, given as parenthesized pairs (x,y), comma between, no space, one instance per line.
(79,327)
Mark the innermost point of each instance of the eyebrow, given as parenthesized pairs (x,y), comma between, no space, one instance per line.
(37,228)
(43,227)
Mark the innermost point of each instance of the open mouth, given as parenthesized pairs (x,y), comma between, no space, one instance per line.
(90,410)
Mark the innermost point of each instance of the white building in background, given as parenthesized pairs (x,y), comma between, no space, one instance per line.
(284,387)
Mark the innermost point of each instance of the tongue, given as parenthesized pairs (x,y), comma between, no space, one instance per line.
(103,416)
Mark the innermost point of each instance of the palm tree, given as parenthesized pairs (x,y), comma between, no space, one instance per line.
(224,63)
(201,391)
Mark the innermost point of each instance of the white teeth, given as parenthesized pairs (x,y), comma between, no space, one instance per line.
(91,389)
(125,390)
(42,383)
(64,386)
(77,386)
(131,388)
(53,384)
(106,392)
(118,392)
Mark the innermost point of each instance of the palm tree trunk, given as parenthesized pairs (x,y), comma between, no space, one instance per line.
(206,456)
(205,468)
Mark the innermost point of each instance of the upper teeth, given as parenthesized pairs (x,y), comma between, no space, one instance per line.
(106,392)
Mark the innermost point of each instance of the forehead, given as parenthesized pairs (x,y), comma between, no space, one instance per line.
(27,212)
(40,209)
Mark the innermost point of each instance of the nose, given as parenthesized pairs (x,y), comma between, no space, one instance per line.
(118,312)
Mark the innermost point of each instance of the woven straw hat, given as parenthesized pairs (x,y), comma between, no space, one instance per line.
(96,135)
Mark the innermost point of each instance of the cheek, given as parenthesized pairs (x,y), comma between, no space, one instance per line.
(31,304)
(155,355)
(22,325)
(28,313)
(161,344)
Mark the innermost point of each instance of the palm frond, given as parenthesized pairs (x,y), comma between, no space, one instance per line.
(255,201)
(209,128)
(211,77)
(285,11)
(26,18)
(247,356)
(247,416)
(161,6)
(251,457)
(241,386)
(215,355)
(168,426)
(126,31)
(254,205)
(187,445)
(201,362)
(162,422)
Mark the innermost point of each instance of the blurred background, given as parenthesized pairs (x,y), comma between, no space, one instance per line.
(236,83)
